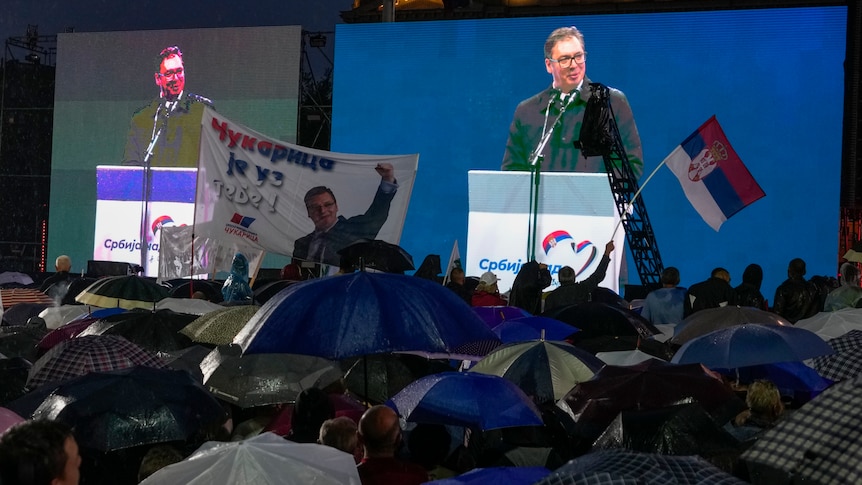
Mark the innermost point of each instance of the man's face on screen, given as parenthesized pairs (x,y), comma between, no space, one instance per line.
(171,77)
(323,211)
(568,78)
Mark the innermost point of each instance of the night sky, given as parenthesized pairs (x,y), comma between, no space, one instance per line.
(54,16)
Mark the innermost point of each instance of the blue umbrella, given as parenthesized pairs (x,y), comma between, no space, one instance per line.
(510,475)
(466,399)
(793,379)
(747,345)
(531,328)
(495,315)
(361,314)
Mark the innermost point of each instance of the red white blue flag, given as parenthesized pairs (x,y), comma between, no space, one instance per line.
(712,176)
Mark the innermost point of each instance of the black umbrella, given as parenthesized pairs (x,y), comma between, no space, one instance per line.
(125,408)
(184,288)
(156,331)
(21,340)
(682,429)
(123,291)
(265,292)
(379,255)
(377,378)
(598,319)
(13,378)
(20,313)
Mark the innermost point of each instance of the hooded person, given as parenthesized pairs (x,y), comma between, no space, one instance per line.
(236,287)
(748,293)
(527,289)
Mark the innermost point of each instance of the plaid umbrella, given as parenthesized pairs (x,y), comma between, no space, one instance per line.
(833,324)
(221,326)
(712,319)
(81,355)
(846,362)
(613,467)
(13,296)
(155,331)
(817,443)
(542,369)
(123,291)
(259,379)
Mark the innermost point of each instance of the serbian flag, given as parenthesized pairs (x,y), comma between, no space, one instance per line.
(711,174)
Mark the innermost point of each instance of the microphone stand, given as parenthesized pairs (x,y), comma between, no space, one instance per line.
(158,128)
(536,159)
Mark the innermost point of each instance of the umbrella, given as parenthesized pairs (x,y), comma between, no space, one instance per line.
(829,325)
(712,319)
(20,313)
(79,356)
(57,316)
(745,345)
(627,467)
(14,296)
(625,357)
(221,326)
(681,429)
(21,340)
(266,459)
(260,379)
(614,343)
(649,385)
(156,331)
(125,407)
(794,380)
(363,313)
(265,292)
(510,475)
(184,288)
(467,399)
(542,369)
(495,315)
(13,378)
(66,332)
(600,319)
(846,362)
(123,291)
(523,329)
(15,277)
(188,359)
(817,443)
(377,378)
(76,286)
(8,419)
(377,254)
(191,306)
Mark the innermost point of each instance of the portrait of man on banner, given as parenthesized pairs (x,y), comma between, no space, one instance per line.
(293,200)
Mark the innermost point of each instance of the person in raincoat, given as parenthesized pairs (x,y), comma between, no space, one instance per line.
(236,287)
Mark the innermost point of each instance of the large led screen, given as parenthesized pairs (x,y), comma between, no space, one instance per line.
(773,78)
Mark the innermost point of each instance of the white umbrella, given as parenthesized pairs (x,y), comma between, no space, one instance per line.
(57,316)
(189,306)
(625,357)
(266,459)
(829,325)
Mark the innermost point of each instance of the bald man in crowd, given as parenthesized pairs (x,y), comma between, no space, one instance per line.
(380,435)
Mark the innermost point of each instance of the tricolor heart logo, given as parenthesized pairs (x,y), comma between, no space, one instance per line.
(580,248)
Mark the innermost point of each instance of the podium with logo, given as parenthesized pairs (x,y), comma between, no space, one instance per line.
(576,218)
(119,209)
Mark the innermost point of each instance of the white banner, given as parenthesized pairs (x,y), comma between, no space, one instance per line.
(252,189)
(211,256)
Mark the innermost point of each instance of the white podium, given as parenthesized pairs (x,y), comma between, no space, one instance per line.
(576,218)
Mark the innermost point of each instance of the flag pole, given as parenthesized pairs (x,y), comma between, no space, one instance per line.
(637,194)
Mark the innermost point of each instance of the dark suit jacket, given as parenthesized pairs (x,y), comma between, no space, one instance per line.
(347,231)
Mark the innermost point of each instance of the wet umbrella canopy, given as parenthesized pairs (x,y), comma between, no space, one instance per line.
(361,314)
(379,377)
(125,408)
(123,291)
(221,326)
(712,319)
(156,331)
(379,255)
(466,399)
(600,319)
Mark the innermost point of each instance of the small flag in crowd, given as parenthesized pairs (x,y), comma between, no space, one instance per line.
(454,262)
(712,176)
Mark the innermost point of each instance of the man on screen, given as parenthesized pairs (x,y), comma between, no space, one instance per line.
(173,120)
(566,62)
(333,232)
